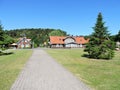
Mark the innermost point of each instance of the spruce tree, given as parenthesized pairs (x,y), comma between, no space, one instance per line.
(1,35)
(5,39)
(100,46)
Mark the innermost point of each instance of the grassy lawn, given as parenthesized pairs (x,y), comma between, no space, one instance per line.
(10,66)
(98,74)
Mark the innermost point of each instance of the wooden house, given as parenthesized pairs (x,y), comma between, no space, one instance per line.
(24,43)
(67,41)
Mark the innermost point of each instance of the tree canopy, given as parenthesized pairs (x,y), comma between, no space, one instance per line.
(38,35)
(117,37)
(5,39)
(1,35)
(57,33)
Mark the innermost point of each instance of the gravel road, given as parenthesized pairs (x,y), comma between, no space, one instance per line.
(42,72)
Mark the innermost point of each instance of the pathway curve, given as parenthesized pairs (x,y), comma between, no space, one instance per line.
(41,72)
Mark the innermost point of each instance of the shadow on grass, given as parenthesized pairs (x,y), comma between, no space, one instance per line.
(95,58)
(85,55)
(6,53)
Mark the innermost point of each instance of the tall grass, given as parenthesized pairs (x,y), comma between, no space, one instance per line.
(98,74)
(11,65)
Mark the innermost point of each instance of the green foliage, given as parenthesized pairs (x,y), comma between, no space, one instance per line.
(106,50)
(35,45)
(1,35)
(117,37)
(8,39)
(5,40)
(112,37)
(38,35)
(57,33)
(100,46)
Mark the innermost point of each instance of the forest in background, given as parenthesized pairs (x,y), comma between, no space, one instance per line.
(38,35)
(41,35)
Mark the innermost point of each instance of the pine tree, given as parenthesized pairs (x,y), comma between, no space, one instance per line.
(100,46)
(1,35)
(5,39)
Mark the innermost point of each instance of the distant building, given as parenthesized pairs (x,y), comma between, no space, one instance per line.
(67,42)
(24,43)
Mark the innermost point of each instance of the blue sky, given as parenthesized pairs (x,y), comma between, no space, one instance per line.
(76,17)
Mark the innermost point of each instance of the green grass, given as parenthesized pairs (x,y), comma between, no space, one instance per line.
(98,74)
(10,67)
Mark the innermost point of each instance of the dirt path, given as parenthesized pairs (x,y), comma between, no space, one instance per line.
(42,73)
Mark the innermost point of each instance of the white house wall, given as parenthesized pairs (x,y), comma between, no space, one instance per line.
(71,45)
(69,40)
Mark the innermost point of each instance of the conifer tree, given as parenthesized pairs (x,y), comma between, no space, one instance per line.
(1,35)
(100,46)
(5,39)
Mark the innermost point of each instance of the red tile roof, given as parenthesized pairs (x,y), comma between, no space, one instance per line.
(81,40)
(57,39)
(60,39)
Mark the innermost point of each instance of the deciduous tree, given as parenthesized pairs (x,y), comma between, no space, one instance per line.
(57,33)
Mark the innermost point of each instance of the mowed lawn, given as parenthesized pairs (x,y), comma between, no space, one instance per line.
(98,74)
(10,67)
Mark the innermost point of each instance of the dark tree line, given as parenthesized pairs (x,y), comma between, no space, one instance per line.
(116,37)
(38,35)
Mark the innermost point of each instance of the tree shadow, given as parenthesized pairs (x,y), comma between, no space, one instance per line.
(6,53)
(88,56)
(85,55)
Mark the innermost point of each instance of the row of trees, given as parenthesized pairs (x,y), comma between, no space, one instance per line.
(38,35)
(101,45)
